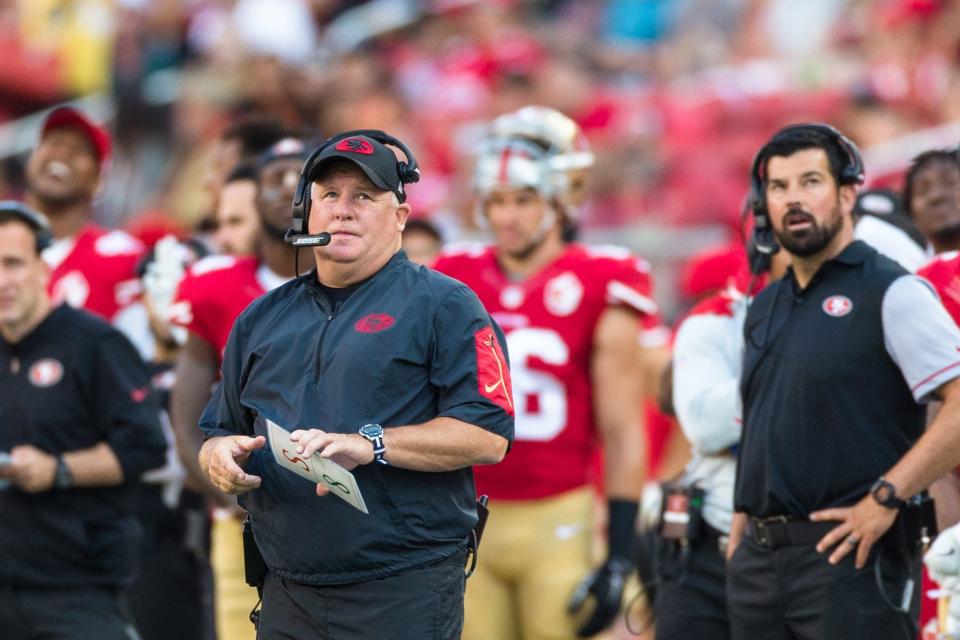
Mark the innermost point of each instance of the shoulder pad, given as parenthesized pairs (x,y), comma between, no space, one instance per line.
(116,243)
(212,263)
(472,249)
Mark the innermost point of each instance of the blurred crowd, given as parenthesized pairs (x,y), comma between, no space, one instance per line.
(659,86)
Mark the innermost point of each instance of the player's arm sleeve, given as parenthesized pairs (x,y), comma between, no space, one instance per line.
(128,411)
(224,415)
(190,310)
(920,336)
(470,365)
(631,286)
(706,382)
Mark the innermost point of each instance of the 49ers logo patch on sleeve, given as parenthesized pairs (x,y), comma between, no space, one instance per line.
(493,375)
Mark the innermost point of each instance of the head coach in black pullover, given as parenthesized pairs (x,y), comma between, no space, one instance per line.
(79,424)
(839,354)
(367,338)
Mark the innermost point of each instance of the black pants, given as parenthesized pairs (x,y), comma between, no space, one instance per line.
(793,593)
(424,603)
(691,593)
(64,614)
(173,595)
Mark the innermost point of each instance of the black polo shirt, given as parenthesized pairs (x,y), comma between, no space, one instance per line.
(831,381)
(71,383)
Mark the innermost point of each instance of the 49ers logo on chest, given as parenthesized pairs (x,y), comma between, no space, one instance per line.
(562,295)
(45,373)
(837,306)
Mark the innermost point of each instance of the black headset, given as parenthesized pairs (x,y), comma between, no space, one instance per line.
(763,244)
(37,223)
(407,171)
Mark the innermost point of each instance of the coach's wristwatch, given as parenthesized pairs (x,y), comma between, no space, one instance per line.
(63,478)
(886,494)
(374,433)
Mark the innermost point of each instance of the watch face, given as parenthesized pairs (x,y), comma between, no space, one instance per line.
(371,430)
(882,493)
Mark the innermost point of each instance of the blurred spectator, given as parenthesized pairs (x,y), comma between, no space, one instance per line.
(421,240)
(931,196)
(92,268)
(236,221)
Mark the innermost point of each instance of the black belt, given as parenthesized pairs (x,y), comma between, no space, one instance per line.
(785,531)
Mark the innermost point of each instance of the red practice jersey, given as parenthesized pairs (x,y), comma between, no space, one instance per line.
(97,273)
(944,274)
(213,293)
(549,321)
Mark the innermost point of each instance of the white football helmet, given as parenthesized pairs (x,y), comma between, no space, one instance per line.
(563,138)
(566,145)
(515,163)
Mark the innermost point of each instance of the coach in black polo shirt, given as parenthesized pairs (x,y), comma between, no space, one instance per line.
(838,355)
(77,424)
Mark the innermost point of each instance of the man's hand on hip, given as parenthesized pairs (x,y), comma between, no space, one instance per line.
(222,462)
(860,527)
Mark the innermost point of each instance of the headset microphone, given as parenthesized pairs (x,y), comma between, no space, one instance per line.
(295,239)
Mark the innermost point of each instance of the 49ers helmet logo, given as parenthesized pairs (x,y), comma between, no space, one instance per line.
(355,145)
(45,373)
(837,306)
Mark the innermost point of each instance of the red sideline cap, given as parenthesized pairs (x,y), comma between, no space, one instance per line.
(70,117)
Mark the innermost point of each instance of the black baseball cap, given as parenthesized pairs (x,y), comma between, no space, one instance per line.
(376,161)
(287,147)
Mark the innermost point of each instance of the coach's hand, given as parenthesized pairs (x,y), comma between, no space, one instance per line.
(860,527)
(605,584)
(349,450)
(31,469)
(222,458)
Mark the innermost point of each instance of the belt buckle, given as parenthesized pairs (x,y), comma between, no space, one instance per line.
(763,535)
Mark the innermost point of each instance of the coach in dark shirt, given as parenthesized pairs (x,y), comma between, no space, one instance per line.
(78,422)
(838,355)
(392,370)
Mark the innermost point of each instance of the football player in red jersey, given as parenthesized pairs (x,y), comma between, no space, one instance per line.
(91,268)
(211,296)
(931,197)
(572,315)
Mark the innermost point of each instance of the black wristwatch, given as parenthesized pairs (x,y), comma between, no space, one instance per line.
(886,494)
(374,433)
(62,479)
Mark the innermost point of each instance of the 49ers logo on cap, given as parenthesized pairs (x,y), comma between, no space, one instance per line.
(45,373)
(355,145)
(837,306)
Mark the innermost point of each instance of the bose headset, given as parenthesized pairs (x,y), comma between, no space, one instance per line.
(763,244)
(37,223)
(297,235)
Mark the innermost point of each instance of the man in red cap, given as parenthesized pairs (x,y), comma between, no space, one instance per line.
(91,268)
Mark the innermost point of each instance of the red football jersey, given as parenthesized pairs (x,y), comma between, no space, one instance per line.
(98,273)
(549,321)
(944,274)
(214,292)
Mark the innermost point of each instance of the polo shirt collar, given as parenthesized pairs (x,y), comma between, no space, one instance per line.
(853,254)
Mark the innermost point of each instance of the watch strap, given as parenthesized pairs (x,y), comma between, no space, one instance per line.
(374,433)
(63,477)
(891,501)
